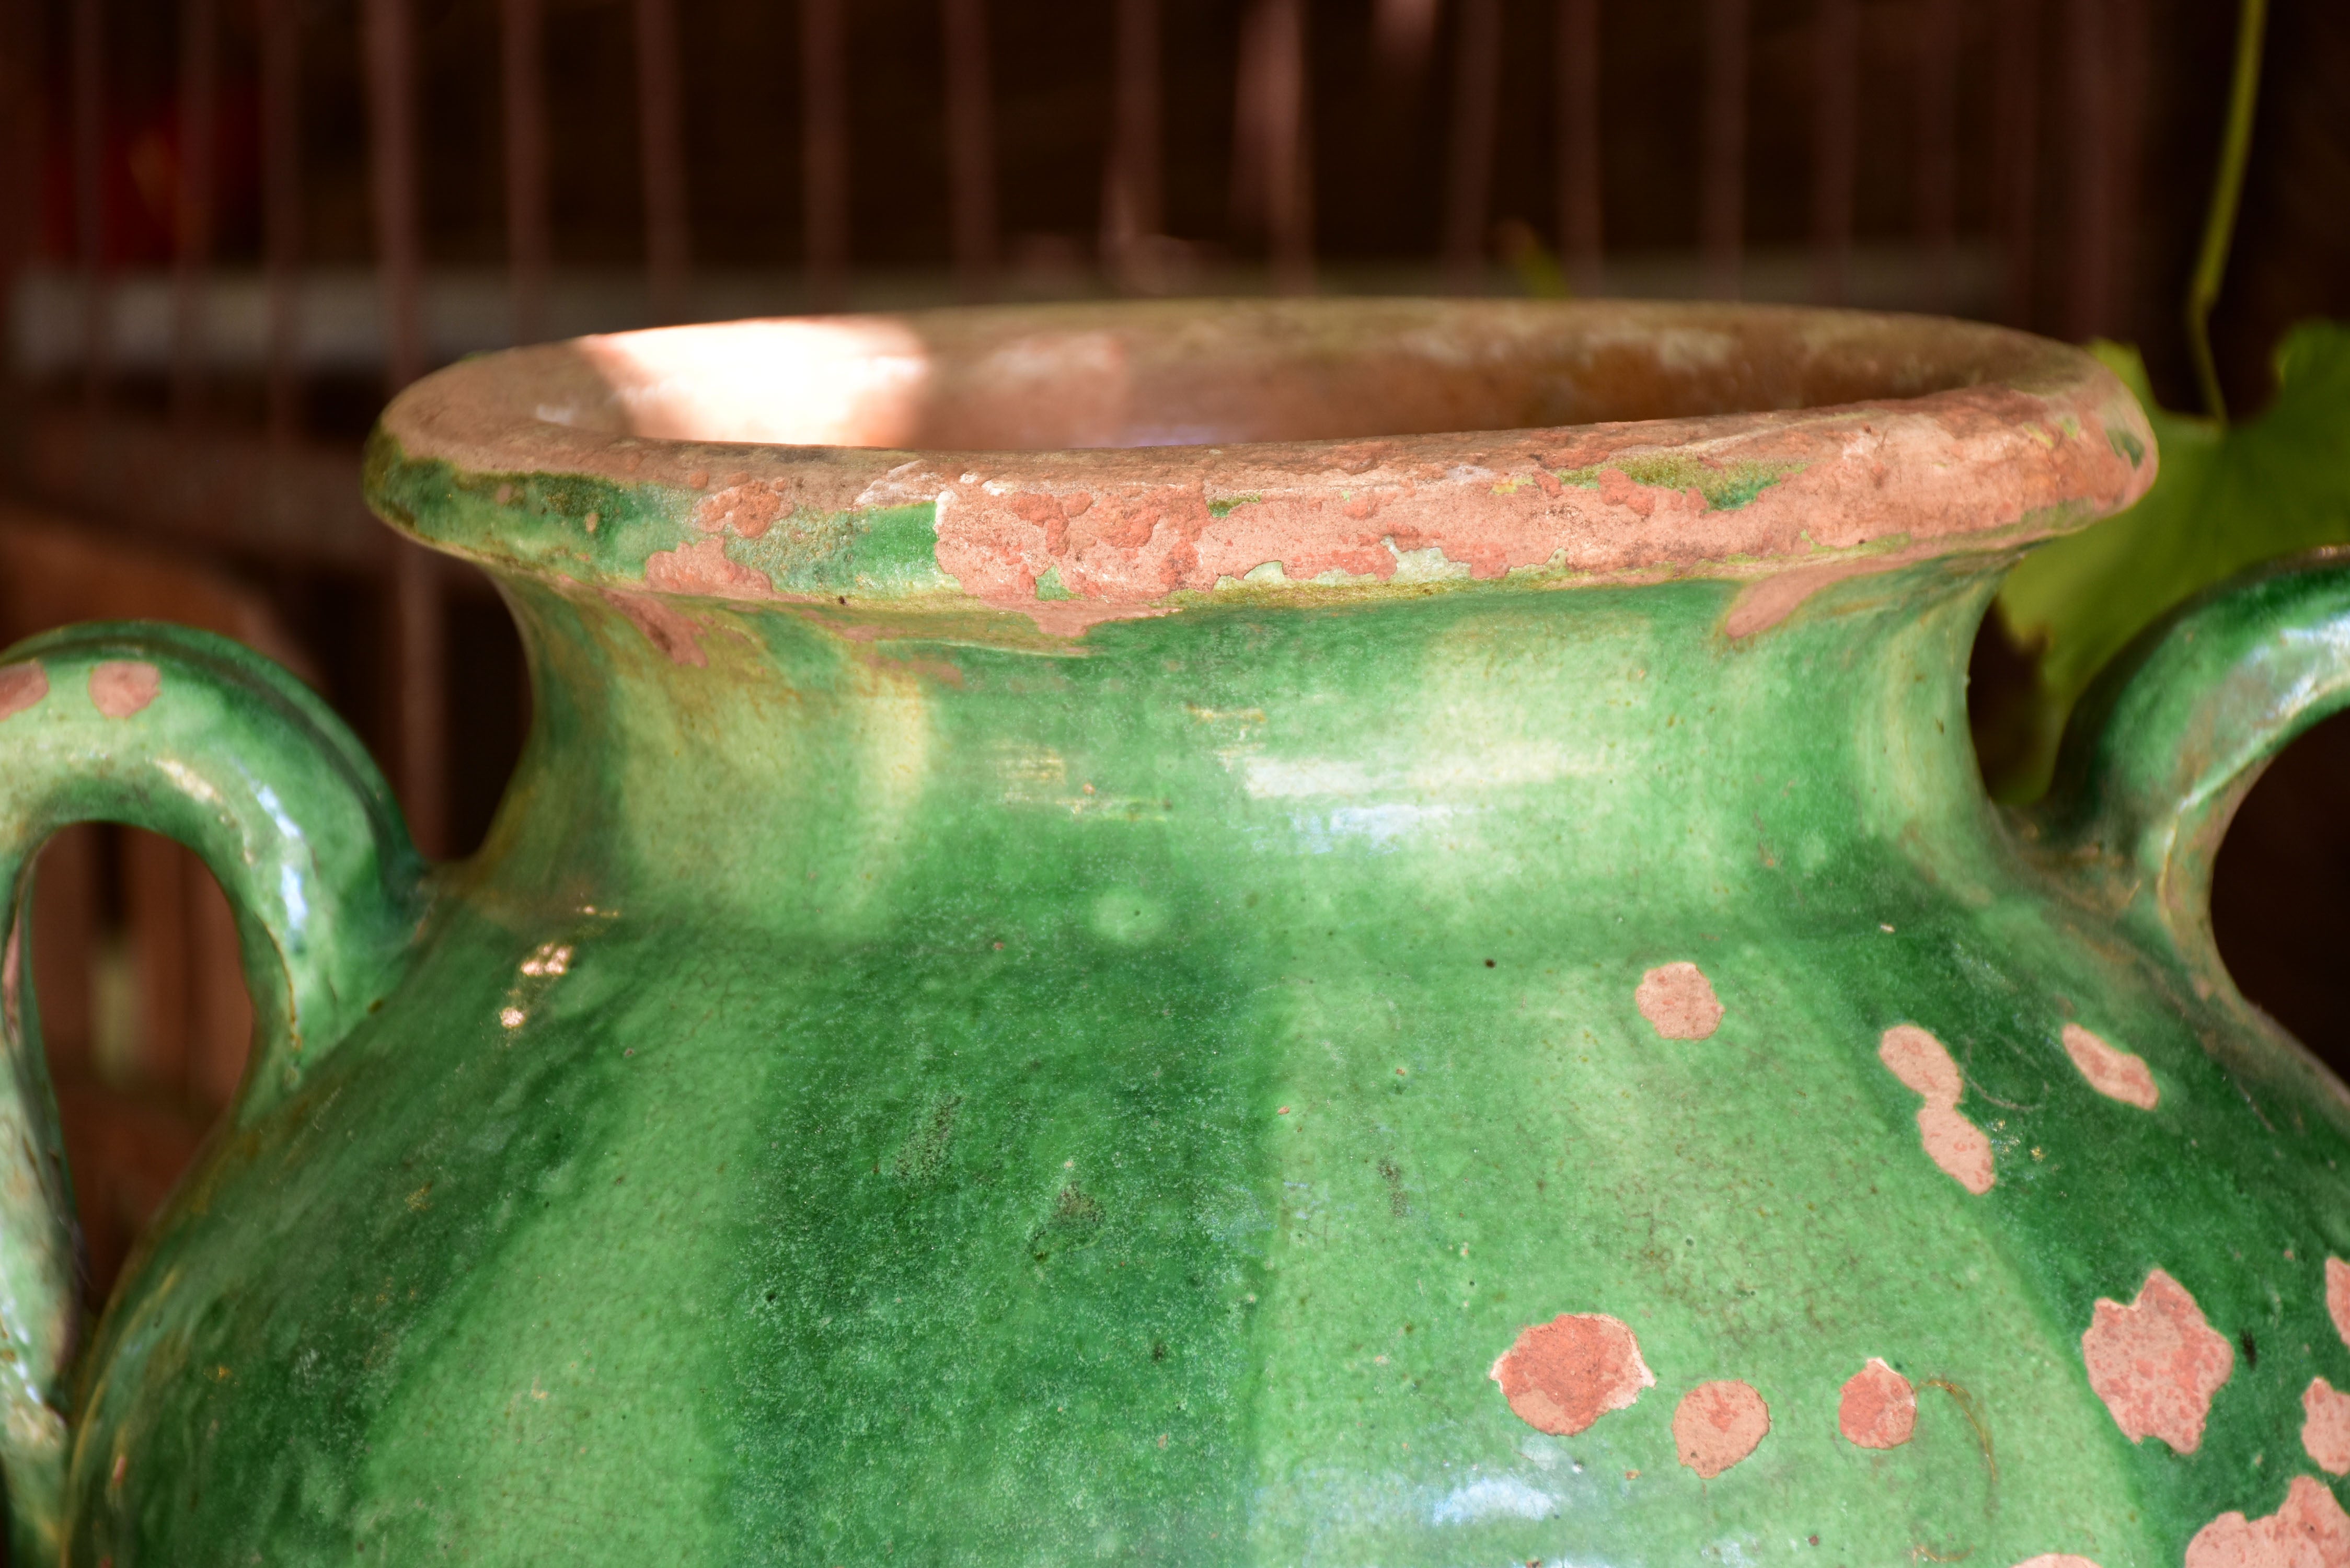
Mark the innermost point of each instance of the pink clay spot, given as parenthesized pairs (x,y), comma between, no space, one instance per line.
(1922,1062)
(2310,1531)
(704,569)
(2117,1074)
(1950,1141)
(1879,1410)
(2156,1363)
(121,687)
(1959,1147)
(2056,1560)
(1718,1425)
(2337,1296)
(1564,1375)
(1679,1001)
(21,686)
(2325,1425)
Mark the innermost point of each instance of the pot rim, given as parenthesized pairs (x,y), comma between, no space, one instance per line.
(1336,446)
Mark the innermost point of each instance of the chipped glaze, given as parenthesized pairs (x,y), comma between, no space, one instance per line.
(1560,1377)
(2309,1529)
(1679,1002)
(1140,1073)
(2156,1363)
(1878,1408)
(2110,1069)
(121,687)
(1951,1141)
(1718,1424)
(2325,1425)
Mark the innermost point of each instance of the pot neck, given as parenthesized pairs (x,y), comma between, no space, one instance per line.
(1480,744)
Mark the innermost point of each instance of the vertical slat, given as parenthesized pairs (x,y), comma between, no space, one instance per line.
(1835,131)
(524,79)
(155,898)
(1580,231)
(1130,185)
(660,116)
(1271,172)
(1935,190)
(417,633)
(20,156)
(824,151)
(2015,152)
(1476,86)
(281,207)
(89,196)
(2089,245)
(971,146)
(192,215)
(2128,46)
(1402,33)
(1721,202)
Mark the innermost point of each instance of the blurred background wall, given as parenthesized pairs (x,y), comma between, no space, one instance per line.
(229,227)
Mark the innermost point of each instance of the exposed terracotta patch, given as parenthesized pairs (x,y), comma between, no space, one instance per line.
(1980,439)
(2112,1071)
(121,687)
(749,509)
(21,686)
(1718,1425)
(2337,1296)
(1950,1141)
(2325,1425)
(663,624)
(2156,1363)
(2310,1531)
(703,568)
(1879,1410)
(1679,1001)
(1564,1375)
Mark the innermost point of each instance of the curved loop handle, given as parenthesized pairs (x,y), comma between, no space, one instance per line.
(194,737)
(2164,748)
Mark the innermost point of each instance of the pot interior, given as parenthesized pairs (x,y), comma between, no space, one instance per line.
(1173,373)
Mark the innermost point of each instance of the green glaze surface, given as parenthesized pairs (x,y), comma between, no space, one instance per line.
(908,1090)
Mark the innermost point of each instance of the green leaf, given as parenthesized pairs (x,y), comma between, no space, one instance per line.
(2228,497)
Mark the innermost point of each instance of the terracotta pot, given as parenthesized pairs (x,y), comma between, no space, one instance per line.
(1108,946)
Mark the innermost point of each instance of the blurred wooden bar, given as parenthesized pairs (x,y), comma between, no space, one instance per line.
(2089,244)
(1131,209)
(2015,152)
(192,196)
(1934,188)
(529,249)
(1581,231)
(415,662)
(823,152)
(280,27)
(1273,185)
(1722,184)
(660,149)
(1467,190)
(971,146)
(1836,136)
(89,192)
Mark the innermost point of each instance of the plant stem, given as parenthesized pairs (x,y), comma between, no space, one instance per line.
(2227,190)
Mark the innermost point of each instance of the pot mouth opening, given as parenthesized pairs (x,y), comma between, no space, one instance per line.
(1098,455)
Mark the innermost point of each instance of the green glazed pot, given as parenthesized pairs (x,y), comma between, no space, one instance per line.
(1104,950)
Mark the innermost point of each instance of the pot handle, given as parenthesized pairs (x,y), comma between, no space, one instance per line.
(192,736)
(2163,748)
